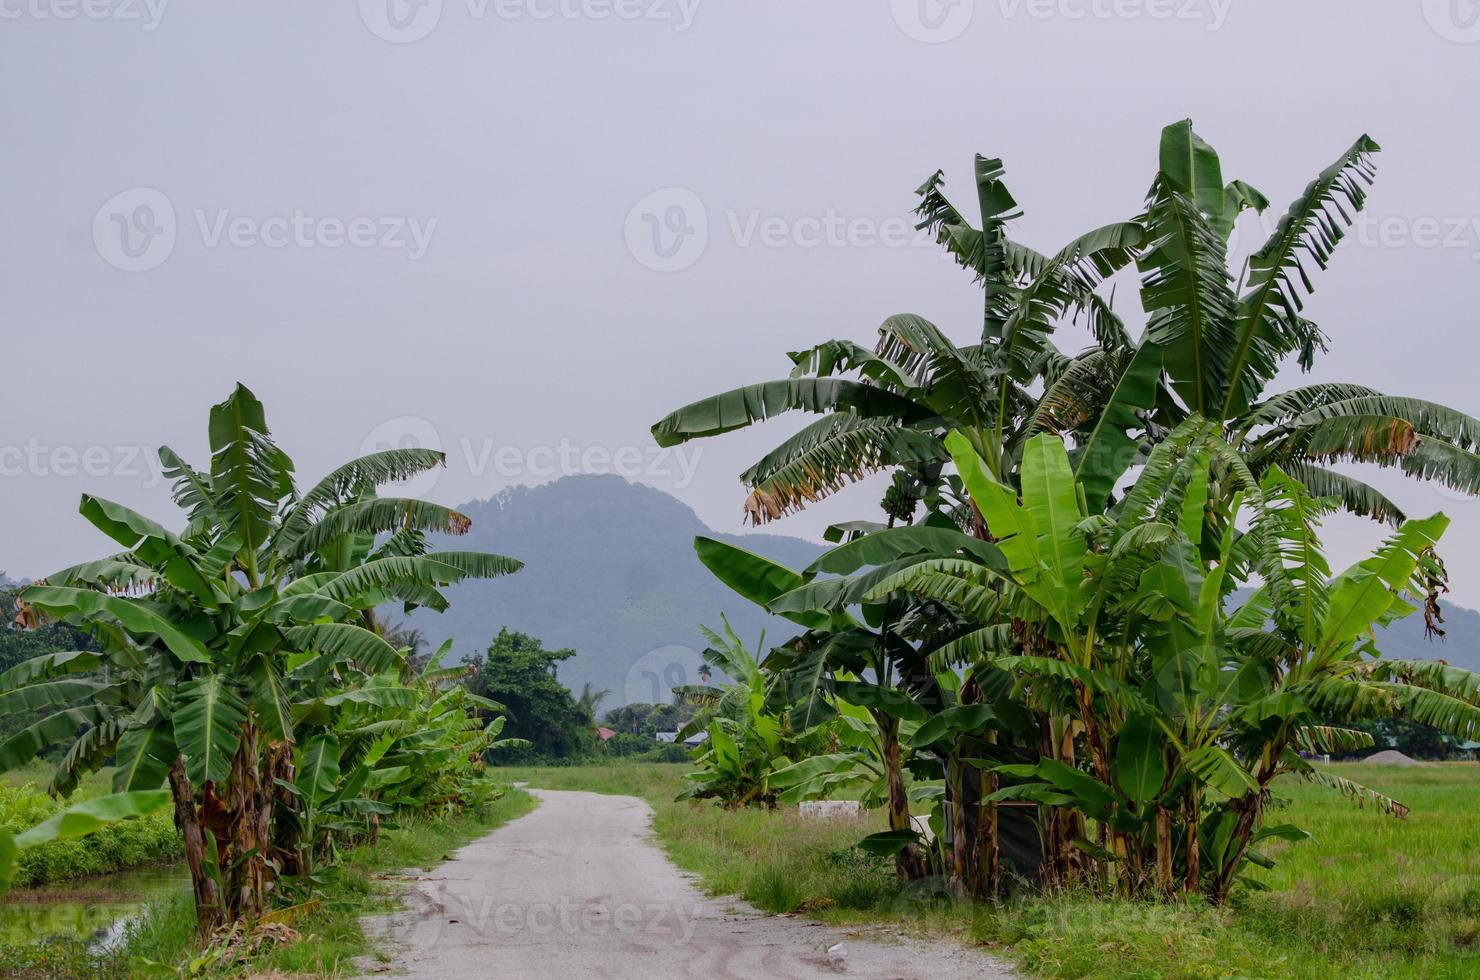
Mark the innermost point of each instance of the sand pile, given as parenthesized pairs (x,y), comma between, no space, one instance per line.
(1391,757)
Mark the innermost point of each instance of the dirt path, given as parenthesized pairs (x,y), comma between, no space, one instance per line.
(577,889)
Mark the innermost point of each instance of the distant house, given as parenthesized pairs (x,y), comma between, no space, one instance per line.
(1468,750)
(605,734)
(691,741)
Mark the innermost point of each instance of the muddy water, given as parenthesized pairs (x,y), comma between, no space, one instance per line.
(97,909)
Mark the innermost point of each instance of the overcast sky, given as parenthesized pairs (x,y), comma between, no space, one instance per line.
(524,230)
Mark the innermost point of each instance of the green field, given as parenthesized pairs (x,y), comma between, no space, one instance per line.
(1369,896)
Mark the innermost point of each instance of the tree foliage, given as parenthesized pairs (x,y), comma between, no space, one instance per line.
(520,675)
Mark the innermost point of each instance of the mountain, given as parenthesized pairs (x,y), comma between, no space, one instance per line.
(610,572)
(1404,640)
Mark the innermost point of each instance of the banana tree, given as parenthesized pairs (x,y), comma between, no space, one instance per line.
(747,738)
(383,745)
(206,634)
(1186,709)
(874,662)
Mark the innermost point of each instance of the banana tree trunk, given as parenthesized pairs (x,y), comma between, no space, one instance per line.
(907,863)
(1249,809)
(988,881)
(249,803)
(1165,883)
(209,908)
(961,849)
(287,850)
(1192,881)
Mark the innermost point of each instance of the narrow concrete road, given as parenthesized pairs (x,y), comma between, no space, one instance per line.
(577,889)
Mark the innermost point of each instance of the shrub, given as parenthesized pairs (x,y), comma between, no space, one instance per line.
(119,845)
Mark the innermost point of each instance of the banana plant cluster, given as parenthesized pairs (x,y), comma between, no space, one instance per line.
(242,664)
(1097,597)
(747,739)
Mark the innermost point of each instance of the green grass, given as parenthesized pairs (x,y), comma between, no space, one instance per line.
(331,937)
(1387,890)
(1370,896)
(24,803)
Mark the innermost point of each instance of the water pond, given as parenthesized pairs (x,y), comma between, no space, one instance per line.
(95,909)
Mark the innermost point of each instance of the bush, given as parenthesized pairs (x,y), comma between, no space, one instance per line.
(668,752)
(127,844)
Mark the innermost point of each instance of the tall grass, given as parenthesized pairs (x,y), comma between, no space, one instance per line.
(1367,882)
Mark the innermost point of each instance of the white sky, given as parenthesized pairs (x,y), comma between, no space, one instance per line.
(527,314)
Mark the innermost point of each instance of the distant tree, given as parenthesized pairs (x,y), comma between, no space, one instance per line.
(591,698)
(8,600)
(639,718)
(519,673)
(404,637)
(18,645)
(1408,737)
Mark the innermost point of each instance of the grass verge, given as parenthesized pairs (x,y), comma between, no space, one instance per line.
(1369,897)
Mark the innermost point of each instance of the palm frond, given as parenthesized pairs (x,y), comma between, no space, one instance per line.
(1269,324)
